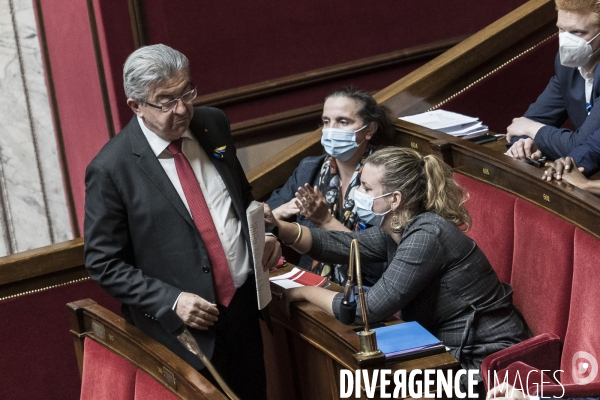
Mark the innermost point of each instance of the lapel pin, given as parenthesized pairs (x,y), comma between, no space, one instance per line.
(219,152)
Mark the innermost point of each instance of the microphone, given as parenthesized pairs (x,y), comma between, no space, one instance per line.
(368,337)
(188,341)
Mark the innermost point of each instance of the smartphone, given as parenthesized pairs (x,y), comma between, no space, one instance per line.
(536,163)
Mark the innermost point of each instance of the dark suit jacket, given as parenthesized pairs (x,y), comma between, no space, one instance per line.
(563,98)
(141,244)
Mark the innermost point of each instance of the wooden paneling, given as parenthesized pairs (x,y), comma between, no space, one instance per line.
(100,66)
(362,66)
(471,60)
(316,346)
(273,173)
(464,65)
(42,268)
(277,125)
(138,23)
(580,208)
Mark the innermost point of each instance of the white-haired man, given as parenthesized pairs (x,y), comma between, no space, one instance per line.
(165,227)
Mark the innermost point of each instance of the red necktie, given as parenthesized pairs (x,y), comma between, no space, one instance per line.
(223,282)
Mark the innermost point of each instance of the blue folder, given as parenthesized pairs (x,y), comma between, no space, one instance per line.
(408,339)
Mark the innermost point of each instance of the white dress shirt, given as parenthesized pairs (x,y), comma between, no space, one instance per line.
(215,193)
(588,77)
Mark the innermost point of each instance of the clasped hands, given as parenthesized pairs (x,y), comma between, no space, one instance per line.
(565,169)
(561,169)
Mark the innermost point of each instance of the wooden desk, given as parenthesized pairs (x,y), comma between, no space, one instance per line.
(306,352)
(499,145)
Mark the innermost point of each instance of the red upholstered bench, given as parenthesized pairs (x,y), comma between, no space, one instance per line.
(553,269)
(119,361)
(492,211)
(107,375)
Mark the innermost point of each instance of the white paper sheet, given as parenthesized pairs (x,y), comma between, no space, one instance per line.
(440,120)
(256,225)
(287,284)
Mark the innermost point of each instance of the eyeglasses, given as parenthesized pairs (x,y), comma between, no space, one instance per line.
(171,105)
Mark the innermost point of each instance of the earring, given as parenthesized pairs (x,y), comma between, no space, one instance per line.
(395,225)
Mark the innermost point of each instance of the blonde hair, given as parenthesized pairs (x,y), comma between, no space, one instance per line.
(426,184)
(580,6)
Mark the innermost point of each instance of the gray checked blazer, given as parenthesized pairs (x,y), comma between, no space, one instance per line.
(438,277)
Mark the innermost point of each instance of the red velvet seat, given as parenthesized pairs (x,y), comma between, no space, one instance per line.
(583,331)
(542,268)
(492,212)
(107,375)
(119,361)
(577,363)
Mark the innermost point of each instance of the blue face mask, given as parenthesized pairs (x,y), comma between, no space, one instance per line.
(340,143)
(364,208)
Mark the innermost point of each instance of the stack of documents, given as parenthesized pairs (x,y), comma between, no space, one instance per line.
(448,122)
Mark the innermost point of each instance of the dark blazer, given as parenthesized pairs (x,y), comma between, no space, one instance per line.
(587,155)
(564,98)
(141,244)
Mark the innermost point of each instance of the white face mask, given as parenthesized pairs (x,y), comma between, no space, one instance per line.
(574,51)
(364,208)
(340,143)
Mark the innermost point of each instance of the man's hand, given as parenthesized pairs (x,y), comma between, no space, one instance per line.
(524,148)
(313,205)
(286,210)
(522,127)
(196,312)
(272,252)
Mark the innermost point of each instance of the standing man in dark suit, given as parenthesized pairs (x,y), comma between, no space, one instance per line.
(165,223)
(573,93)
